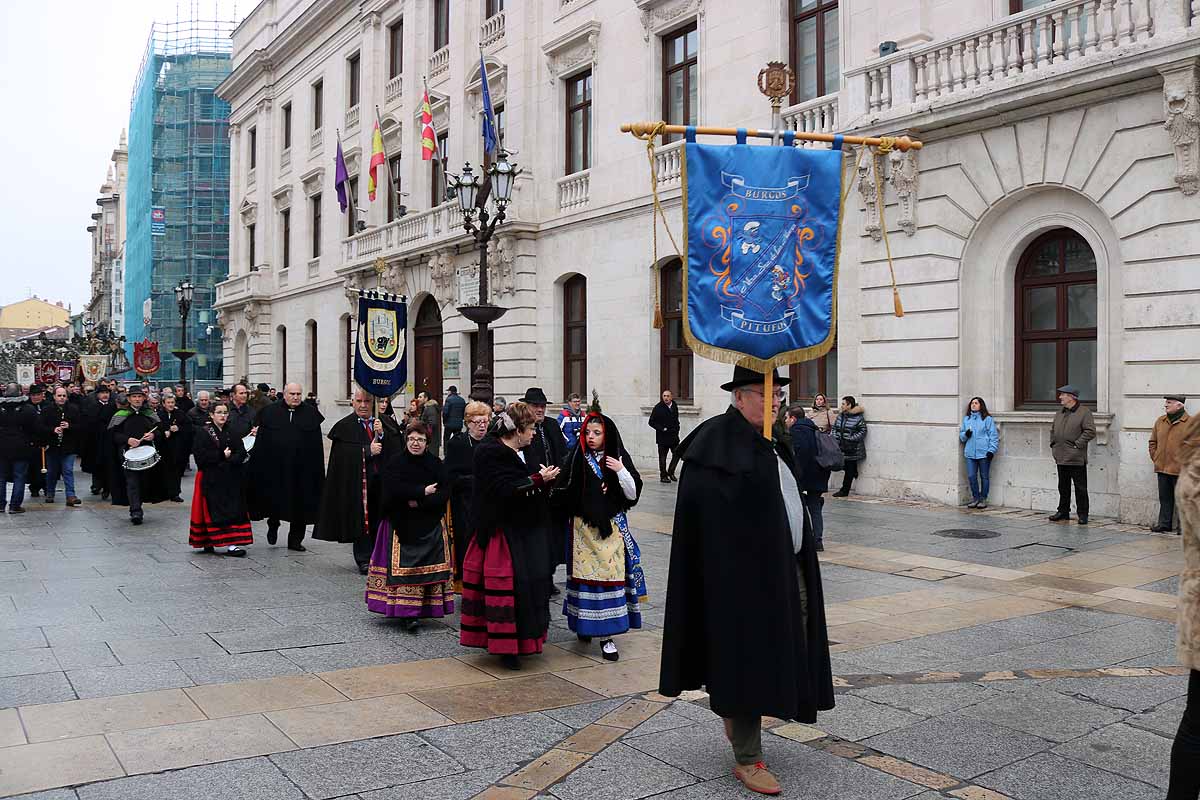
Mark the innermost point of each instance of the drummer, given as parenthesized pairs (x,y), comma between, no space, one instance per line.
(136,426)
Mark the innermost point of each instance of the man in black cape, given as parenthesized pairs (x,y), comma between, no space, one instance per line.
(102,444)
(287,467)
(547,449)
(350,501)
(745,614)
(175,445)
(131,427)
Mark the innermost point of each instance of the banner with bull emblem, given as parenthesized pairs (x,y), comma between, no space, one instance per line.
(762,251)
(380,354)
(146,360)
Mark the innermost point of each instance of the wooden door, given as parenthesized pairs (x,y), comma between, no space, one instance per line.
(427,371)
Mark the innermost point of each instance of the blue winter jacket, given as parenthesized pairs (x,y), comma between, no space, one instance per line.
(984,436)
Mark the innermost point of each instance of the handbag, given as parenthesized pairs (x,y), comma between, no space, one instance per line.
(829,454)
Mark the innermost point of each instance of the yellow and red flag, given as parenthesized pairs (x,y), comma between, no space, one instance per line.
(428,137)
(378,159)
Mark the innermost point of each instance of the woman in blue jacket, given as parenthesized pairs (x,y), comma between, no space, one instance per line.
(980,440)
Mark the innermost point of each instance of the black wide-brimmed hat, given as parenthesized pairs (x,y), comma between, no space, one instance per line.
(744,376)
(535,396)
(135,389)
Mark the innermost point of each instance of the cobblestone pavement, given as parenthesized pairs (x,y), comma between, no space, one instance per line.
(979,655)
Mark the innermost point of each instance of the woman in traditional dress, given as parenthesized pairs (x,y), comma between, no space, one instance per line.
(605,582)
(219,515)
(506,573)
(411,575)
(460,461)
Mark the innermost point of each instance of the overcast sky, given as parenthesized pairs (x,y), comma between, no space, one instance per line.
(66,72)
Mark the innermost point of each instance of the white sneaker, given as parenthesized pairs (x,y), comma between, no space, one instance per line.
(609,650)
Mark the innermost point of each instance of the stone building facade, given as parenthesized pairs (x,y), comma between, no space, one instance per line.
(108,242)
(1045,233)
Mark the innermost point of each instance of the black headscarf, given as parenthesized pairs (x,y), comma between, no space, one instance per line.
(581,493)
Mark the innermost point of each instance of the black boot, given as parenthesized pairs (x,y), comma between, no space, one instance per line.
(511,662)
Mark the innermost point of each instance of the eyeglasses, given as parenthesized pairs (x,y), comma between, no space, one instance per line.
(417,440)
(777,394)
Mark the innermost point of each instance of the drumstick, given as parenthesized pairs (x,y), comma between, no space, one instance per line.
(43,461)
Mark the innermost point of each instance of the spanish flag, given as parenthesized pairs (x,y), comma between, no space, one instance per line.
(428,137)
(378,159)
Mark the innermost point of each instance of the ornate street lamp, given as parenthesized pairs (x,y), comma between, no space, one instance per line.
(473,193)
(183,296)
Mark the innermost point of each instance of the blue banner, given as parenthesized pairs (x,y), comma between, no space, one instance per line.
(762,251)
(380,354)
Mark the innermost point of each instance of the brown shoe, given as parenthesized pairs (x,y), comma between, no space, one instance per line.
(74,501)
(756,778)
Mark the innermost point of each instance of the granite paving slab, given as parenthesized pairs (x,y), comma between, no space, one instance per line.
(1163,720)
(856,718)
(190,744)
(326,658)
(1135,695)
(1127,751)
(502,740)
(896,657)
(463,786)
(927,700)
(27,662)
(104,681)
(1045,713)
(49,765)
(46,687)
(164,648)
(581,715)
(275,637)
(137,627)
(247,779)
(621,772)
(335,770)
(240,667)
(958,745)
(79,656)
(1047,776)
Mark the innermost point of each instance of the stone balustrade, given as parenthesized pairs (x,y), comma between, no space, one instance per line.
(393,90)
(439,62)
(402,236)
(819,115)
(668,165)
(352,118)
(573,190)
(1042,42)
(285,159)
(244,286)
(315,140)
(492,30)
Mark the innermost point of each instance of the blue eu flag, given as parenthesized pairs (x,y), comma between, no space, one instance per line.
(490,139)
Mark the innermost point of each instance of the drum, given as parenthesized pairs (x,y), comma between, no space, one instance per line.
(248,443)
(141,458)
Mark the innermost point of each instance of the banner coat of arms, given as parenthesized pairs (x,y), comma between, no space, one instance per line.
(146,360)
(761,240)
(380,352)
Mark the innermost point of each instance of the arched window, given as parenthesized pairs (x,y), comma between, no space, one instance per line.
(676,356)
(575,336)
(310,333)
(1056,318)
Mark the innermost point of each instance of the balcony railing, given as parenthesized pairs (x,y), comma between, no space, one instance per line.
(492,30)
(243,287)
(819,115)
(439,62)
(407,234)
(393,90)
(573,191)
(315,140)
(1029,45)
(285,159)
(668,164)
(352,117)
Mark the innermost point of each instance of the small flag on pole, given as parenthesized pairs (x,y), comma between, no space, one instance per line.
(341,177)
(490,139)
(428,137)
(378,159)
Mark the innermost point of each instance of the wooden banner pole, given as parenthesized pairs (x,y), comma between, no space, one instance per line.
(768,396)
(643,129)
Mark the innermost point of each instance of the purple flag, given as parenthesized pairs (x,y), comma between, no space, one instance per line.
(341,177)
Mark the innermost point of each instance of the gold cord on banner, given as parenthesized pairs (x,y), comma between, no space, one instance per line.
(886,144)
(649,138)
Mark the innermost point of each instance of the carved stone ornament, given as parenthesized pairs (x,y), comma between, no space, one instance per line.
(250,313)
(902,175)
(441,273)
(222,322)
(350,286)
(868,190)
(1181,103)
(394,278)
(572,51)
(248,211)
(502,269)
(658,15)
(313,180)
(282,197)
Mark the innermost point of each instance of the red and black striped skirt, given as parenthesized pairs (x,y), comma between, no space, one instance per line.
(489,601)
(203,532)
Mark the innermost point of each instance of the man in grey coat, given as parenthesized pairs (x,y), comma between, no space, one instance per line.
(1072,429)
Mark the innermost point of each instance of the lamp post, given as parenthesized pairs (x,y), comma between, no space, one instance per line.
(183,296)
(473,192)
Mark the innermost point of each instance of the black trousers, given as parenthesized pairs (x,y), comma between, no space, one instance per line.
(364,546)
(295,532)
(848,476)
(1166,501)
(1076,474)
(663,449)
(133,488)
(1185,753)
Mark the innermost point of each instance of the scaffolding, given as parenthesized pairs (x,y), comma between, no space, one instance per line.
(178,188)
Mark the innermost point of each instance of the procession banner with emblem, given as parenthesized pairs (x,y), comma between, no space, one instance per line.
(118,362)
(145,357)
(761,240)
(65,372)
(380,352)
(93,367)
(47,372)
(26,374)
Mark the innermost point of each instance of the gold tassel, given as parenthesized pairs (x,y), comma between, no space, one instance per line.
(896,302)
(649,139)
(658,320)
(886,146)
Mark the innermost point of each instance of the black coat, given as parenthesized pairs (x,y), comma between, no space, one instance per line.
(102,444)
(72,435)
(733,618)
(405,479)
(665,421)
(509,503)
(241,420)
(198,417)
(222,479)
(126,425)
(850,432)
(460,473)
(452,412)
(549,447)
(287,465)
(342,516)
(810,475)
(18,429)
(177,446)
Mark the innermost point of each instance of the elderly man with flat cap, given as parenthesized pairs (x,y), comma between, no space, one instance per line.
(1165,442)
(1072,429)
(745,615)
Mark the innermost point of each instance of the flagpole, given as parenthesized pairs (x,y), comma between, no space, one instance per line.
(387,161)
(353,201)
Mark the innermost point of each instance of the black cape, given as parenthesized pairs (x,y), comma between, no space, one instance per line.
(287,464)
(126,425)
(549,448)
(508,502)
(175,448)
(460,473)
(342,513)
(733,620)
(221,479)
